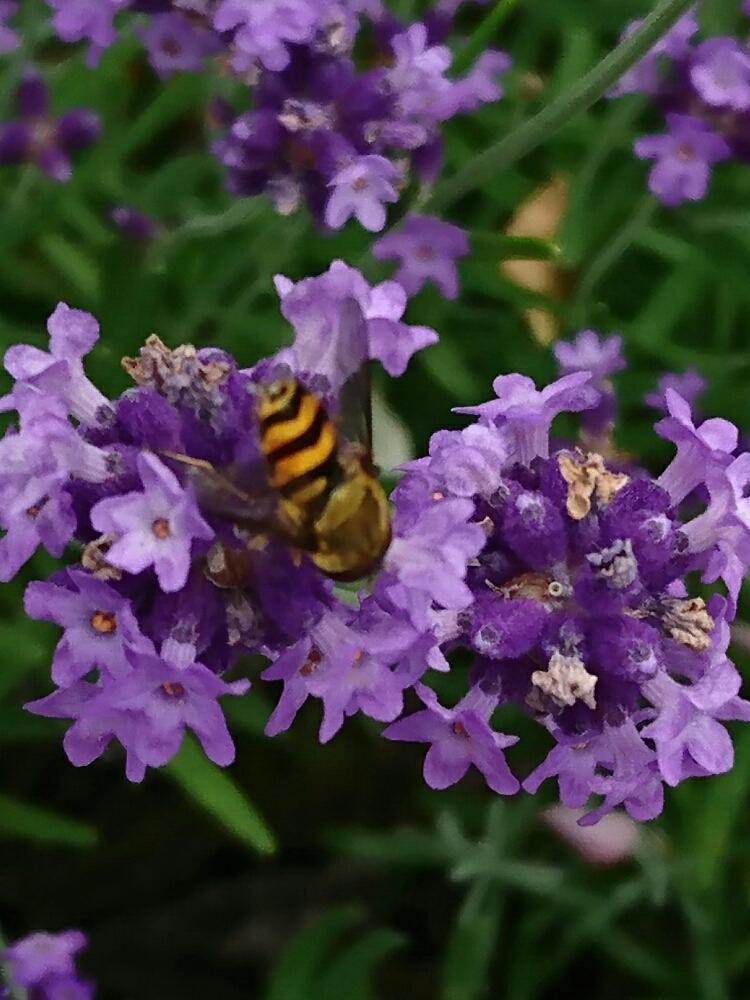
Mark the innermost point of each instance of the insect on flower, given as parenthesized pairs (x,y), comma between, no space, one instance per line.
(321,493)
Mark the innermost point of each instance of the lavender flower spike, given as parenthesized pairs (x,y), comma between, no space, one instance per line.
(527,414)
(9,40)
(153,528)
(459,737)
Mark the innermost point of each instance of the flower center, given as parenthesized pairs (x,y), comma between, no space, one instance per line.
(359,184)
(104,622)
(685,152)
(171,690)
(424,252)
(35,509)
(311,663)
(161,528)
(459,730)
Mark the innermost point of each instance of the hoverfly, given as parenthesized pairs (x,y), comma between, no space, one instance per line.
(321,494)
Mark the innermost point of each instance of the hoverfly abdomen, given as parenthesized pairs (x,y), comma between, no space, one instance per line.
(298,440)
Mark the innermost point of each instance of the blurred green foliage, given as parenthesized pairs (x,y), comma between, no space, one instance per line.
(379,888)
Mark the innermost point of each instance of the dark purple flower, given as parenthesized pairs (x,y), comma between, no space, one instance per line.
(39,138)
(458,738)
(155,527)
(133,223)
(427,250)
(177,43)
(684,157)
(645,76)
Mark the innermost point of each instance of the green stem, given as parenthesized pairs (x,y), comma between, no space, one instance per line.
(551,119)
(482,36)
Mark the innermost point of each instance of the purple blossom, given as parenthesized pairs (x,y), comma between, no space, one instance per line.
(362,189)
(90,20)
(588,352)
(44,964)
(37,137)
(645,76)
(699,449)
(527,413)
(99,623)
(427,250)
(321,313)
(683,157)
(155,527)
(458,738)
(137,225)
(262,29)
(9,39)
(689,384)
(175,43)
(720,73)
(481,85)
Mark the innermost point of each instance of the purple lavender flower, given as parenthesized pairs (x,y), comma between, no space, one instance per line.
(44,964)
(155,527)
(427,250)
(9,39)
(43,140)
(262,29)
(459,737)
(684,157)
(137,225)
(601,357)
(645,77)
(480,85)
(99,623)
(318,310)
(90,20)
(720,73)
(176,43)
(527,414)
(689,384)
(361,189)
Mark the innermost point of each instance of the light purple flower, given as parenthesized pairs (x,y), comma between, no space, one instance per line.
(175,43)
(427,250)
(429,558)
(42,957)
(720,73)
(699,449)
(689,384)
(684,156)
(76,20)
(527,413)
(320,310)
(459,737)
(467,462)
(335,666)
(263,28)
(361,190)
(589,352)
(417,77)
(153,528)
(481,85)
(9,39)
(645,77)
(59,372)
(99,626)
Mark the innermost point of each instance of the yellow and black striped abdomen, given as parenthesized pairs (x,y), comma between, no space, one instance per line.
(298,440)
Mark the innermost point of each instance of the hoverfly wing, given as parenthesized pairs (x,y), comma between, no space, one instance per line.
(355,397)
(218,493)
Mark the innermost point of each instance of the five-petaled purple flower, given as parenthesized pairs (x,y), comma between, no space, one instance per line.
(684,157)
(44,965)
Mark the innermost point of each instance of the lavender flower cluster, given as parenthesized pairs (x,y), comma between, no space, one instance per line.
(44,965)
(561,568)
(703,90)
(341,135)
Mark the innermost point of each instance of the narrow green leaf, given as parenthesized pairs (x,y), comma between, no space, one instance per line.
(218,794)
(483,35)
(471,946)
(351,974)
(551,119)
(294,976)
(30,822)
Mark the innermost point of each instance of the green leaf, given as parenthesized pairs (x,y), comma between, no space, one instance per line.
(351,974)
(213,790)
(294,976)
(471,946)
(30,822)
